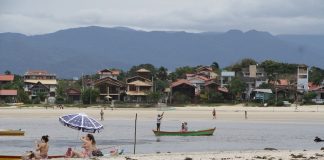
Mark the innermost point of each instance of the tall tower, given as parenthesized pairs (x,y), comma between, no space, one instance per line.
(302,78)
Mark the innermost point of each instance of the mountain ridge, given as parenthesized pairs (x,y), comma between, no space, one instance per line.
(71,52)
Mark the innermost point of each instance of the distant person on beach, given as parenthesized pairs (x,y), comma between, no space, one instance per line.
(89,146)
(42,147)
(182,127)
(101,115)
(158,121)
(185,126)
(214,113)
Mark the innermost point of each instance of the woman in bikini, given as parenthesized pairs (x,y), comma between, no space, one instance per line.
(42,147)
(89,145)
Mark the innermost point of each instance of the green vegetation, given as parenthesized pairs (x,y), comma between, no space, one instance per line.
(89,96)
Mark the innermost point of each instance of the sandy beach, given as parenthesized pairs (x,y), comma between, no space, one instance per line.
(230,155)
(225,155)
(278,115)
(313,113)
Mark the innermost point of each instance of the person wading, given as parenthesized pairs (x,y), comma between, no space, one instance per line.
(102,115)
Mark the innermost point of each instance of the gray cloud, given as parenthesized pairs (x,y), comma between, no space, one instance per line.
(275,16)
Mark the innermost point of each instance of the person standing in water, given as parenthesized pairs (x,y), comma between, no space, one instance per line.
(214,113)
(158,121)
(101,115)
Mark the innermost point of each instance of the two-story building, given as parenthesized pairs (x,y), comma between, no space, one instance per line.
(207,72)
(302,78)
(226,78)
(109,87)
(253,76)
(138,87)
(40,82)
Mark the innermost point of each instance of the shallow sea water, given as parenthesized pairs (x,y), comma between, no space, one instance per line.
(229,135)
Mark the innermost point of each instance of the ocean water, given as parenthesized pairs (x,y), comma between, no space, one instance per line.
(229,135)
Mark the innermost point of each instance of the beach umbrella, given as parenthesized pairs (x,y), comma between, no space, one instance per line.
(81,122)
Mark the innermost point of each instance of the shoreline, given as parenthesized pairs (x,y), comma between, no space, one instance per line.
(313,114)
(224,155)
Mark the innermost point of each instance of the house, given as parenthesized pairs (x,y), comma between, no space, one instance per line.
(198,81)
(73,95)
(8,95)
(261,94)
(253,76)
(226,78)
(319,90)
(144,73)
(138,87)
(5,79)
(38,81)
(182,87)
(284,89)
(207,72)
(302,78)
(108,73)
(110,88)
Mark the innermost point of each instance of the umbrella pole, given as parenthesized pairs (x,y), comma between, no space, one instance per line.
(76,142)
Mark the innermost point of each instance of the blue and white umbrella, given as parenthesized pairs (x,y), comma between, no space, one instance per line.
(81,122)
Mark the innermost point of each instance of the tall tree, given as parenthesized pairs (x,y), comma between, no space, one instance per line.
(181,72)
(237,87)
(215,66)
(316,75)
(7,72)
(162,73)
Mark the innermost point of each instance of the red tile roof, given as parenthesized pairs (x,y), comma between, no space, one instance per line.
(36,72)
(223,89)
(281,82)
(6,77)
(181,81)
(115,72)
(8,92)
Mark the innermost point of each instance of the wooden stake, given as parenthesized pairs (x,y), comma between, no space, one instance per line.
(135,133)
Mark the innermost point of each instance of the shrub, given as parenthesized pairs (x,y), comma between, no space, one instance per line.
(180,98)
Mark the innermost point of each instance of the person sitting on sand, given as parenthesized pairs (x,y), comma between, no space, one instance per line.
(42,147)
(90,149)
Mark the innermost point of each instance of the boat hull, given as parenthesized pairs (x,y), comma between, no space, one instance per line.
(8,157)
(12,133)
(207,132)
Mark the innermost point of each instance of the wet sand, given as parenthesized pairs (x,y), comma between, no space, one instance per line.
(223,113)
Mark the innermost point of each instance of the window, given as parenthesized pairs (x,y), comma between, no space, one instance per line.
(302,76)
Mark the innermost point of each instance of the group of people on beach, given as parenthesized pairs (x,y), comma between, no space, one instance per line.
(42,147)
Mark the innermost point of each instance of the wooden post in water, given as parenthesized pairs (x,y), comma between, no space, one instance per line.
(135,133)
(246,115)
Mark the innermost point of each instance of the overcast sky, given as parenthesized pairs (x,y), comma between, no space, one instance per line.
(275,16)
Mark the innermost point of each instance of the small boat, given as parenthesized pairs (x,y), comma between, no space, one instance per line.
(206,132)
(11,132)
(7,157)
